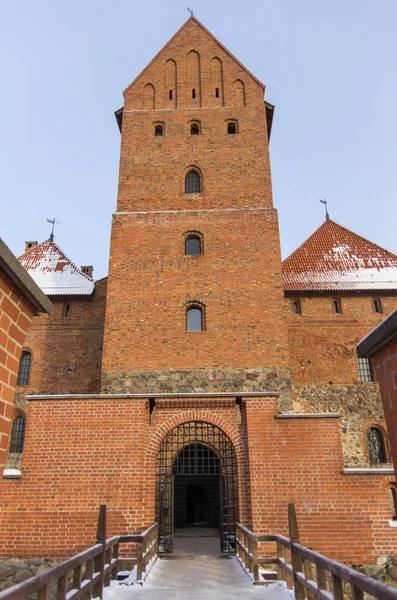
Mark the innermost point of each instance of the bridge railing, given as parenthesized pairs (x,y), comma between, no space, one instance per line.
(311,575)
(86,574)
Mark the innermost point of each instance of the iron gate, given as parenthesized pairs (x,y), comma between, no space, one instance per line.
(192,438)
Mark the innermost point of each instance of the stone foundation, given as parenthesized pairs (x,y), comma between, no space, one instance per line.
(359,405)
(202,381)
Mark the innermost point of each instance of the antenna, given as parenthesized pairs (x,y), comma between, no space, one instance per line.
(190,10)
(52,221)
(326,209)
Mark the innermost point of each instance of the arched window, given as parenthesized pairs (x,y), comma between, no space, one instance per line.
(159,130)
(194,129)
(192,182)
(376,446)
(194,318)
(18,435)
(193,245)
(24,368)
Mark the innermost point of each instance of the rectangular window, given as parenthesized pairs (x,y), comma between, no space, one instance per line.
(170,94)
(296,307)
(377,305)
(365,372)
(193,93)
(337,306)
(216,92)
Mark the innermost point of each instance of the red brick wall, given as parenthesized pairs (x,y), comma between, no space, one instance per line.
(386,372)
(81,453)
(16,314)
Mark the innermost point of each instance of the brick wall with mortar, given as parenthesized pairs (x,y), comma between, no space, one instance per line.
(16,314)
(324,364)
(238,275)
(112,445)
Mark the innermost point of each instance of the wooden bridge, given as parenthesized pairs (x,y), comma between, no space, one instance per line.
(301,573)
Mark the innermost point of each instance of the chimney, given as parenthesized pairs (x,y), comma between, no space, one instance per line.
(29,245)
(87,270)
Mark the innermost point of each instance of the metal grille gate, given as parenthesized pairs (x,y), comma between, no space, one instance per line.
(194,436)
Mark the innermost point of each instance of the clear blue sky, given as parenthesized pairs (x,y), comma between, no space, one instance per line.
(329,67)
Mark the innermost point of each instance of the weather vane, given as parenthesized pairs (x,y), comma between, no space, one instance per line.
(190,10)
(326,209)
(52,221)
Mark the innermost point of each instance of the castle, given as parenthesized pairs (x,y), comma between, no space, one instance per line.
(203,381)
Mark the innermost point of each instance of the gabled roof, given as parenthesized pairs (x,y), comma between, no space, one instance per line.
(189,20)
(334,258)
(54,272)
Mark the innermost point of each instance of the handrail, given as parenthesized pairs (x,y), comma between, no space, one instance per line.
(328,580)
(87,573)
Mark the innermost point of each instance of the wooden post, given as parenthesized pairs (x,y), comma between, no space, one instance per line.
(100,559)
(255,566)
(101,528)
(89,572)
(296,559)
(61,588)
(337,589)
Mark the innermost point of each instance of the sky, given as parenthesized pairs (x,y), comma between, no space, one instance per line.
(329,69)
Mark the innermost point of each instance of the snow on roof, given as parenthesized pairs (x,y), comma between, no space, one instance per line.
(334,258)
(54,272)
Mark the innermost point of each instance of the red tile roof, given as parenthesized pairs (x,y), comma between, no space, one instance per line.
(54,272)
(334,258)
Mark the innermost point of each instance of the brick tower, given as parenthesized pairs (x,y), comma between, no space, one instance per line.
(195,228)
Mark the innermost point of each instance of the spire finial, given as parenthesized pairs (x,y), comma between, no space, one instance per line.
(52,221)
(326,209)
(190,10)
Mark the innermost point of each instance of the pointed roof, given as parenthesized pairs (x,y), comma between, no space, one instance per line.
(189,20)
(54,272)
(334,258)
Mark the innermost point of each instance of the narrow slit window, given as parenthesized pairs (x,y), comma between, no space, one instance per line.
(337,306)
(194,129)
(192,183)
(159,130)
(194,319)
(365,371)
(193,93)
(216,92)
(376,446)
(193,245)
(67,310)
(377,305)
(24,368)
(296,307)
(232,128)
(18,435)
(170,94)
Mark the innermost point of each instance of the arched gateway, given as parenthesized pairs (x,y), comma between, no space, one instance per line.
(196,483)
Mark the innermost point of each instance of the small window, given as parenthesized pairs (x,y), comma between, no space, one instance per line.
(232,127)
(377,305)
(216,92)
(296,307)
(337,306)
(193,93)
(393,490)
(170,94)
(24,368)
(194,129)
(159,130)
(192,183)
(18,435)
(194,319)
(376,446)
(193,245)
(365,372)
(66,310)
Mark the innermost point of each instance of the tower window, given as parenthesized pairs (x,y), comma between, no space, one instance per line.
(66,310)
(337,306)
(194,129)
(232,127)
(377,305)
(18,435)
(192,182)
(193,93)
(194,319)
(376,446)
(170,94)
(159,130)
(296,307)
(24,368)
(193,245)
(365,372)
(216,92)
